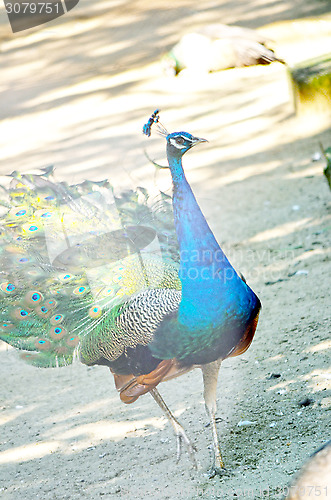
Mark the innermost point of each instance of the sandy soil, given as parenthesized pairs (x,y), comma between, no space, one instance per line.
(76,95)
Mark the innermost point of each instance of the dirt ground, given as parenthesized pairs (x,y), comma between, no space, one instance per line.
(75,93)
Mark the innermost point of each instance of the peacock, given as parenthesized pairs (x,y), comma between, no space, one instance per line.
(134,282)
(217,47)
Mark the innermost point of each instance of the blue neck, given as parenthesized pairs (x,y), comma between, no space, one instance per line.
(205,272)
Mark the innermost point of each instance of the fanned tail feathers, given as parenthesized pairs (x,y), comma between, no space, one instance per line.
(73,257)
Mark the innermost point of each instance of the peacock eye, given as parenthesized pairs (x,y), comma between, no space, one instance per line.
(180,140)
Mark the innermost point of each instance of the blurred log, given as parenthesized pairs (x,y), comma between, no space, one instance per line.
(311,84)
(314,481)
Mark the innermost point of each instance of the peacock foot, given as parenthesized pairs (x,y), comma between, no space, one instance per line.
(182,438)
(218,471)
(180,434)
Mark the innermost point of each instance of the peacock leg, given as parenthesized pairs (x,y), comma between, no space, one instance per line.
(210,375)
(179,430)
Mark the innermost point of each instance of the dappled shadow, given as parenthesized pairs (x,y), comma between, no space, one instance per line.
(66,72)
(77,93)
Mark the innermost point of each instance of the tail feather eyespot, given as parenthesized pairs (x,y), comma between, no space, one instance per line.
(66,277)
(20,314)
(43,344)
(33,298)
(19,212)
(80,290)
(95,312)
(28,356)
(43,312)
(57,332)
(6,326)
(73,341)
(51,303)
(23,260)
(43,214)
(8,288)
(56,319)
(31,229)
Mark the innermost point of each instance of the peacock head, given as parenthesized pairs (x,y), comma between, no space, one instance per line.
(180,142)
(177,142)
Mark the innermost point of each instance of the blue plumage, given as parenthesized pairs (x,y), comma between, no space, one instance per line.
(142,288)
(216,303)
(218,311)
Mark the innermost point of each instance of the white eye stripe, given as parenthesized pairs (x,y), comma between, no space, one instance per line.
(175,143)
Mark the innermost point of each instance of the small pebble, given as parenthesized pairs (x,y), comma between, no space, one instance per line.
(245,422)
(273,375)
(316,156)
(306,402)
(302,271)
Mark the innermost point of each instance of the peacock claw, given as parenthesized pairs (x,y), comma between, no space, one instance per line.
(182,437)
(219,471)
(180,434)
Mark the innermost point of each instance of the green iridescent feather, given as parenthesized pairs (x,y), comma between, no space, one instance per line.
(72,258)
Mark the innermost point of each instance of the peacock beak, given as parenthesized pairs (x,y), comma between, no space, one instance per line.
(197,140)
